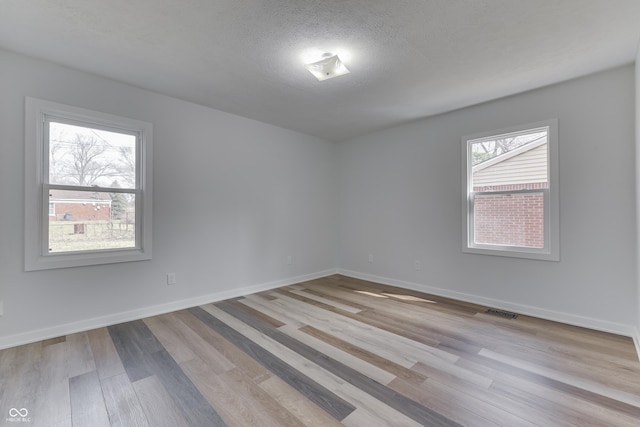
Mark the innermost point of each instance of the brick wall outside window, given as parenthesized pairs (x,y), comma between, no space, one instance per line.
(510,220)
(96,211)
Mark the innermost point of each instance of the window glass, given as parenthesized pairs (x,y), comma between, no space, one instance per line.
(87,156)
(91,221)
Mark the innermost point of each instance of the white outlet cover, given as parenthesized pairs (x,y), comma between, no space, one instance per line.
(171,278)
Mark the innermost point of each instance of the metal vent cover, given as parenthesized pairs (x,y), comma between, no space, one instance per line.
(502,313)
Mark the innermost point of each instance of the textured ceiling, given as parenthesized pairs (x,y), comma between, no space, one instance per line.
(408,58)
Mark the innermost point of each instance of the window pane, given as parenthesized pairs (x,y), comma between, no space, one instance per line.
(485,149)
(510,162)
(509,220)
(85,156)
(90,220)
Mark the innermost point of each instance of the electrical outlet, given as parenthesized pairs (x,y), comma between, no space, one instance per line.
(1,309)
(370,257)
(289,260)
(417,265)
(171,278)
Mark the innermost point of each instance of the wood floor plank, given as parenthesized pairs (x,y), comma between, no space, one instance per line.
(265,318)
(453,372)
(523,408)
(177,334)
(135,343)
(348,333)
(259,303)
(51,397)
(234,408)
(419,330)
(79,355)
(52,341)
(161,327)
(302,408)
(546,387)
(253,369)
(407,351)
(87,404)
(399,342)
(319,289)
(588,385)
(26,381)
(239,400)
(134,340)
(122,403)
(147,357)
(552,408)
(385,300)
(327,400)
(183,392)
(495,414)
(395,369)
(408,407)
(104,353)
(158,406)
(457,409)
(362,366)
(333,303)
(356,397)
(267,404)
(615,374)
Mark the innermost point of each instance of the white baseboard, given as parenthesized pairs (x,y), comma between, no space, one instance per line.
(570,319)
(126,316)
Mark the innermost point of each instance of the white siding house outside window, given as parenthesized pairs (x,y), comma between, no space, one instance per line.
(510,192)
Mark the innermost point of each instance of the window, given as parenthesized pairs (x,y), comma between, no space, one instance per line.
(510,190)
(88,187)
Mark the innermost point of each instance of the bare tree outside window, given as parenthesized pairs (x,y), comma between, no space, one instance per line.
(487,150)
(86,157)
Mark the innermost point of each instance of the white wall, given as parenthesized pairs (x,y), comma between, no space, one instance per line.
(400,201)
(232,199)
(637,82)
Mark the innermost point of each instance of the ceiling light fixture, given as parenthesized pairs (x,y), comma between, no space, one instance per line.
(328,67)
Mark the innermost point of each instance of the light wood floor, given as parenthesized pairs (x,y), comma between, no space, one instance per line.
(333,351)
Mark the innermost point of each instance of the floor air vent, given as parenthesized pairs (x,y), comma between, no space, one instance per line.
(502,313)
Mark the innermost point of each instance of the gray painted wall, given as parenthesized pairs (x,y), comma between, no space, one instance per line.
(400,201)
(637,68)
(233,198)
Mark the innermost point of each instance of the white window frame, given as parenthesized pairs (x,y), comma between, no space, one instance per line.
(37,256)
(551,249)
